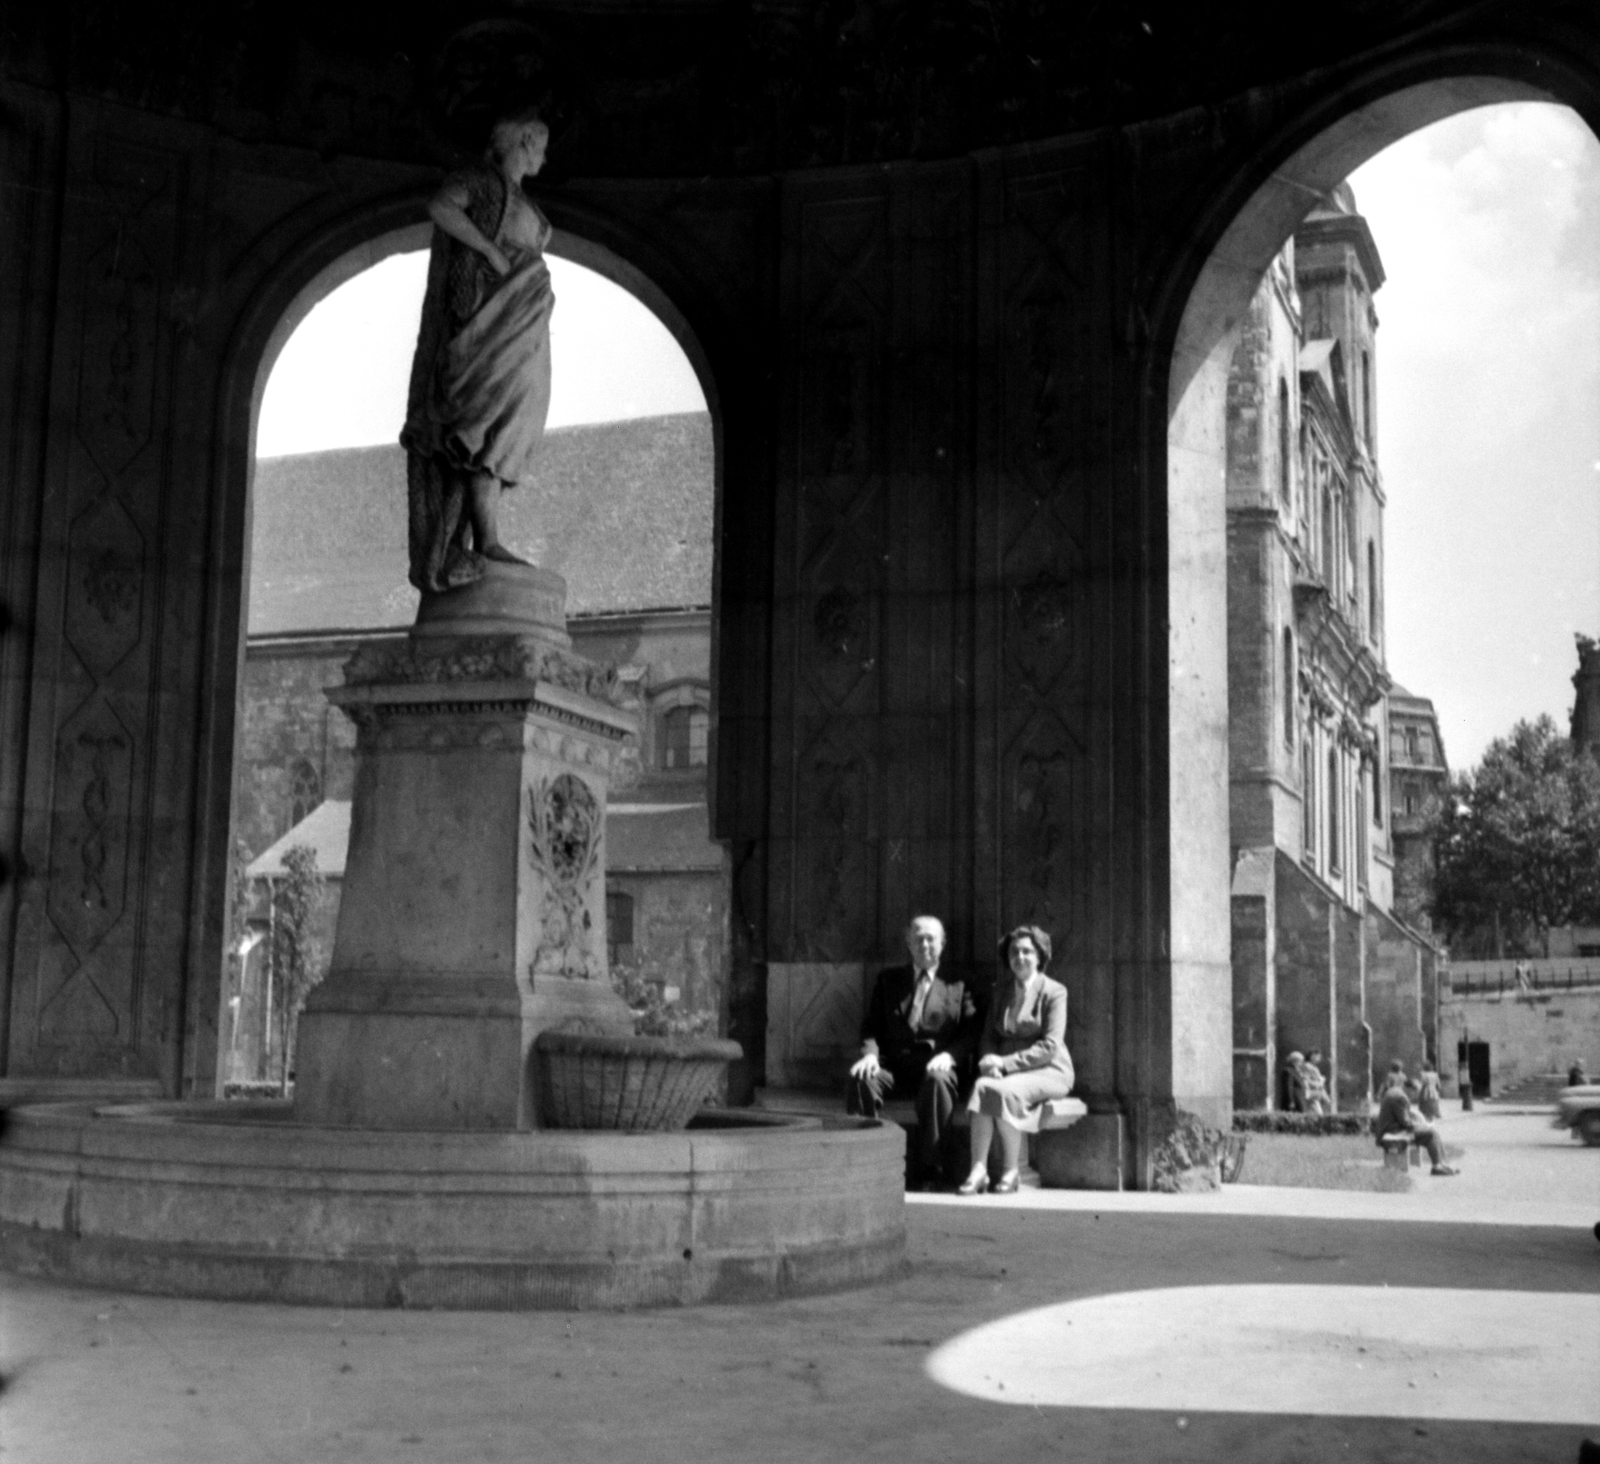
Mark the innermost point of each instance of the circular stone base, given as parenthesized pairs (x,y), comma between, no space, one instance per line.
(235,1200)
(509,599)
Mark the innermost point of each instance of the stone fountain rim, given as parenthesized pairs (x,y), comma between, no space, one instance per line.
(601,1044)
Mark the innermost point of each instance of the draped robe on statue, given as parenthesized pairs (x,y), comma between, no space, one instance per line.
(480,379)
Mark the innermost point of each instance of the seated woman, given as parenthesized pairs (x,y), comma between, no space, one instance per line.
(1023,1059)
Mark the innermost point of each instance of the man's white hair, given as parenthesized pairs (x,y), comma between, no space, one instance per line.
(911,924)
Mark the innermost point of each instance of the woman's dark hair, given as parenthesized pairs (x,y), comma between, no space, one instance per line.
(1041,943)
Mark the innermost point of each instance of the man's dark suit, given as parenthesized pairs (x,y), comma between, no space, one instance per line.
(948,1023)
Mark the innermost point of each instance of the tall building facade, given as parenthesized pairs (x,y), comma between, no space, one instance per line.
(1419,774)
(1320,960)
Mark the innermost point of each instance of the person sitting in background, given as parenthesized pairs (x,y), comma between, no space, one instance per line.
(1313,1086)
(1576,1076)
(1396,1115)
(917,1038)
(1023,1060)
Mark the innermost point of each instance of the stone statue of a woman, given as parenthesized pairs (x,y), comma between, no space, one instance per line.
(480,379)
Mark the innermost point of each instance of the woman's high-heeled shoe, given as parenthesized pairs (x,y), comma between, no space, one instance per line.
(975,1183)
(1008,1183)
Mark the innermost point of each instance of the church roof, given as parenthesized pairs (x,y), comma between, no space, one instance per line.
(623,510)
(326,829)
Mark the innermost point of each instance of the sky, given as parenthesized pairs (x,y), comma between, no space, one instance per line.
(341,379)
(1488,380)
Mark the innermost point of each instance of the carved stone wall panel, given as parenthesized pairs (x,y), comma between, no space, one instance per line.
(1042,759)
(99,832)
(926,685)
(830,538)
(30,163)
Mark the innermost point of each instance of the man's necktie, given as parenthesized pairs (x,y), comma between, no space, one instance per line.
(920,1000)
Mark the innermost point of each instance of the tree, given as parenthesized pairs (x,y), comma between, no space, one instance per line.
(297,956)
(1517,845)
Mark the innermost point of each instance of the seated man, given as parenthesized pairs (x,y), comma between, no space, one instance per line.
(918,1036)
(1397,1116)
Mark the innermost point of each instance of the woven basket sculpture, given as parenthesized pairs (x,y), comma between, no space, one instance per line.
(633,1084)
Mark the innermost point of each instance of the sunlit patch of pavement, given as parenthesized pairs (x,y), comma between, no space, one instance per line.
(1351,1351)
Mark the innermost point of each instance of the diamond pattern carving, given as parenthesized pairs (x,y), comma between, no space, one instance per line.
(105,557)
(89,838)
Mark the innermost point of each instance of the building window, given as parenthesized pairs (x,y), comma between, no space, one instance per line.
(683,737)
(1289,689)
(1335,863)
(305,790)
(1411,744)
(1308,798)
(1411,804)
(1327,541)
(1359,827)
(1377,793)
(1366,398)
(619,928)
(1372,590)
(1285,477)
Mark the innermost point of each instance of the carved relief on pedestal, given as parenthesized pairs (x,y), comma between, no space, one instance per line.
(482,658)
(565,824)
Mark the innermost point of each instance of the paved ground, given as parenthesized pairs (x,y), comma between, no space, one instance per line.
(1053,1295)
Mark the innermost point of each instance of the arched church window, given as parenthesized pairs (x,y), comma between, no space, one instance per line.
(305,790)
(683,737)
(1285,475)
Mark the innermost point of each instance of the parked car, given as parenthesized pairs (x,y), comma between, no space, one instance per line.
(1578,1109)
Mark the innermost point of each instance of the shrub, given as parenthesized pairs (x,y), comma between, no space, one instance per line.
(1190,1157)
(653,1014)
(1317,1125)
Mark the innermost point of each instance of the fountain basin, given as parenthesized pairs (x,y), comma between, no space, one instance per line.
(637,1084)
(236,1200)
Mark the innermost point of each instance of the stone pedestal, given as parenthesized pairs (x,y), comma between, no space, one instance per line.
(472,915)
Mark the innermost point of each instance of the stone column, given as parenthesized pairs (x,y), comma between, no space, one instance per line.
(472,914)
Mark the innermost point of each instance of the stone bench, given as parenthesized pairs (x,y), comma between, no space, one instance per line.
(1059,1113)
(1400,1151)
(1074,1149)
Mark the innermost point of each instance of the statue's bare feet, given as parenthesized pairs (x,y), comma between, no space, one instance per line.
(501,555)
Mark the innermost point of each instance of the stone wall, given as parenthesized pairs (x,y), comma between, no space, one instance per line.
(1398,966)
(1528,1033)
(287,721)
(680,933)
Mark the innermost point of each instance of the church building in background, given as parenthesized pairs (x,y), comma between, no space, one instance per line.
(1322,958)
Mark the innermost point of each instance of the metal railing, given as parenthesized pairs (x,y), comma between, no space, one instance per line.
(1499,978)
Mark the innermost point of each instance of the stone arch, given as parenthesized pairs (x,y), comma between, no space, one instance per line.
(1233,238)
(323,254)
